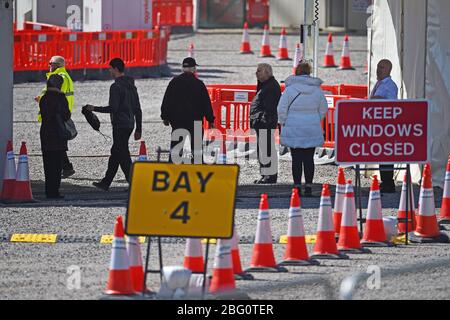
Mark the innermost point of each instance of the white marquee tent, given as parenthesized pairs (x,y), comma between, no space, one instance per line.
(415,36)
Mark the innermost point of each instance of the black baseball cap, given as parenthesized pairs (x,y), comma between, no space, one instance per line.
(189,63)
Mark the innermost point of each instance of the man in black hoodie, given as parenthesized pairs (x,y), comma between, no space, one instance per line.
(124,109)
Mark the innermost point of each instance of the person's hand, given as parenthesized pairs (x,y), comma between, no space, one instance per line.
(166,123)
(37,99)
(137,135)
(89,107)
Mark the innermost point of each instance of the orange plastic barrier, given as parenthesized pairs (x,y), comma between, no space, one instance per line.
(231,106)
(173,12)
(257,12)
(355,91)
(90,50)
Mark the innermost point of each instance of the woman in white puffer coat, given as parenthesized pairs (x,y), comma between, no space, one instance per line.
(300,112)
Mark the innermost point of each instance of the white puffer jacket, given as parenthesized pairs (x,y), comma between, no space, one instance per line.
(301,124)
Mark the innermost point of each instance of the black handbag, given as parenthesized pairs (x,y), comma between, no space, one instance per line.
(66,129)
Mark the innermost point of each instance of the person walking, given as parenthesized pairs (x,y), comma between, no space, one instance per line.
(57,66)
(54,108)
(264,120)
(300,111)
(385,88)
(124,109)
(185,105)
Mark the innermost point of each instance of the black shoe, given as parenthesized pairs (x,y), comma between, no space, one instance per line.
(100,185)
(67,173)
(258,181)
(269,180)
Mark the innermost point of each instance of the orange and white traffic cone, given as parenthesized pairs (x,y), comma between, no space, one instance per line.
(193,256)
(222,154)
(374,234)
(329,54)
(22,190)
(349,240)
(339,201)
(222,278)
(296,253)
(263,258)
(401,215)
(191,51)
(297,57)
(142,152)
(9,174)
(119,279)
(325,247)
(239,274)
(136,268)
(283,47)
(445,208)
(345,57)
(245,44)
(265,46)
(427,229)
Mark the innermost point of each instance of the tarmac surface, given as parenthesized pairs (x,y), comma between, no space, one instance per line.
(42,271)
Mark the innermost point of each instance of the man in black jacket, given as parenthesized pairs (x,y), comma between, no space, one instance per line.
(124,109)
(186,103)
(264,119)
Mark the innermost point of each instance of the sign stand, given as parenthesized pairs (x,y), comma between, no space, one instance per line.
(409,200)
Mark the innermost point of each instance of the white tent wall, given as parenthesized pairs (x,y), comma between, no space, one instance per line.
(421,64)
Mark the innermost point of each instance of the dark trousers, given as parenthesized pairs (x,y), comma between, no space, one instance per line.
(120,155)
(267,149)
(52,171)
(189,131)
(387,177)
(303,159)
(66,165)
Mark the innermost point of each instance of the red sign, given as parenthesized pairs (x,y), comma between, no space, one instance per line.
(381,132)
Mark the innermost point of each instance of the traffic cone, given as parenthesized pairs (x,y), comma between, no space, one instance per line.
(239,274)
(345,57)
(193,256)
(9,174)
(339,201)
(222,277)
(22,189)
(119,279)
(374,234)
(191,51)
(401,215)
(283,48)
(265,46)
(143,152)
(296,253)
(349,240)
(329,54)
(297,57)
(325,247)
(445,208)
(263,259)
(245,44)
(427,229)
(136,268)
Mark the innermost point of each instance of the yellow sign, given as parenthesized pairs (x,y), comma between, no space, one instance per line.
(169,200)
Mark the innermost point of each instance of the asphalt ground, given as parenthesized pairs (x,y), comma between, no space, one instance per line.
(40,271)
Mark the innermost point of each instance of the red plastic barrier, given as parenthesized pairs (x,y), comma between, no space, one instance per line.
(173,12)
(332,89)
(257,12)
(90,50)
(355,91)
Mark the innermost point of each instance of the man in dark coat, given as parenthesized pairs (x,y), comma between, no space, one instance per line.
(264,119)
(186,103)
(52,105)
(124,109)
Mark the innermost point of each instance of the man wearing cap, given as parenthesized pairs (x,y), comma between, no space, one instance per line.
(186,103)
(57,66)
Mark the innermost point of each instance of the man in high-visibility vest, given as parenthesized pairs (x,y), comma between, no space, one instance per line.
(57,66)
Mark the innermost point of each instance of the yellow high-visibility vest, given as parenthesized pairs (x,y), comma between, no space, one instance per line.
(66,88)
